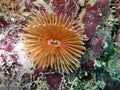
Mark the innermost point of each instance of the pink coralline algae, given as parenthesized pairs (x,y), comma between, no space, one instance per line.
(54,80)
(3,23)
(94,17)
(66,7)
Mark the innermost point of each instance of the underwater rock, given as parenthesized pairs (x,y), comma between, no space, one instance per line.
(3,22)
(54,80)
(93,18)
(66,7)
(12,53)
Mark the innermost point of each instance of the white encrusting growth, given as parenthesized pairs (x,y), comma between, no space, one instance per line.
(23,59)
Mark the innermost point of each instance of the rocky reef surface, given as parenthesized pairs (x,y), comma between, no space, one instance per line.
(99,65)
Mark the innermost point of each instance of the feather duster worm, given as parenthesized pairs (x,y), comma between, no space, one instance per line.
(54,41)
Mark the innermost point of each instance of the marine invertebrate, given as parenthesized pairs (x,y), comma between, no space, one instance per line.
(54,41)
(99,65)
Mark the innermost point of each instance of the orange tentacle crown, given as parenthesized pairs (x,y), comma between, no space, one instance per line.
(54,41)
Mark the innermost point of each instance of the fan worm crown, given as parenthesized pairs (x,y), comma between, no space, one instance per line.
(54,41)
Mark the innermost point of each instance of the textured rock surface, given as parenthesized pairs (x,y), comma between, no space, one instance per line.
(68,7)
(98,68)
(95,16)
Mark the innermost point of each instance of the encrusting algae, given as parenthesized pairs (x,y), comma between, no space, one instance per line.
(54,41)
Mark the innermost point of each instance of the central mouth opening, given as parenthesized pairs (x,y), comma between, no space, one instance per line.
(54,42)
